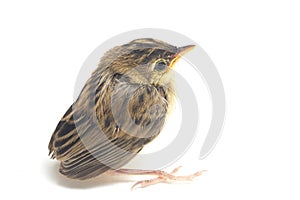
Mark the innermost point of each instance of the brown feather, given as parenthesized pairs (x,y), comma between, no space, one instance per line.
(118,111)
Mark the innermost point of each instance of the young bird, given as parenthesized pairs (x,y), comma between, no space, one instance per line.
(122,107)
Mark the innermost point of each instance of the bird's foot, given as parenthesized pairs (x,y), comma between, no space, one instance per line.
(164,177)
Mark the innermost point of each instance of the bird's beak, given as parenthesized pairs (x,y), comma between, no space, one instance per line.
(180,51)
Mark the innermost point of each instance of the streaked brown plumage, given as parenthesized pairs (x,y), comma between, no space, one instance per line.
(122,107)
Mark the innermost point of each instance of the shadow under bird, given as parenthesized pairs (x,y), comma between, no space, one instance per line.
(122,107)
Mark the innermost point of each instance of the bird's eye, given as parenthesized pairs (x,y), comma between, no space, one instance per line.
(160,65)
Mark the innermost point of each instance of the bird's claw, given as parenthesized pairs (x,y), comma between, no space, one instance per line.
(165,178)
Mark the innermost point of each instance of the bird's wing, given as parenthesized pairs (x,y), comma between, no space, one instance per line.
(101,133)
(85,153)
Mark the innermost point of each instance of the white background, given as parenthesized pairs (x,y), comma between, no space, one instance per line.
(254,44)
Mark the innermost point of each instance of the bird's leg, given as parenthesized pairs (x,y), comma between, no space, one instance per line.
(158,179)
(162,176)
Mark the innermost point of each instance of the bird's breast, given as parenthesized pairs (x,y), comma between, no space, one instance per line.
(132,112)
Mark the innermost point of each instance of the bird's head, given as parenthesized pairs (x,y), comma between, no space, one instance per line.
(145,61)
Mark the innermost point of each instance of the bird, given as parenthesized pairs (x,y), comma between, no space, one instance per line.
(122,107)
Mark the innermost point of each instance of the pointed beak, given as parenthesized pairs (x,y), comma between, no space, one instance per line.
(180,52)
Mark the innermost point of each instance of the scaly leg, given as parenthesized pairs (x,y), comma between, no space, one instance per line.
(162,176)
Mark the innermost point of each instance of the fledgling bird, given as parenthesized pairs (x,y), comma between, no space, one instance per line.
(122,107)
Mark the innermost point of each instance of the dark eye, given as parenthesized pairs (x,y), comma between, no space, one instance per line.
(160,65)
